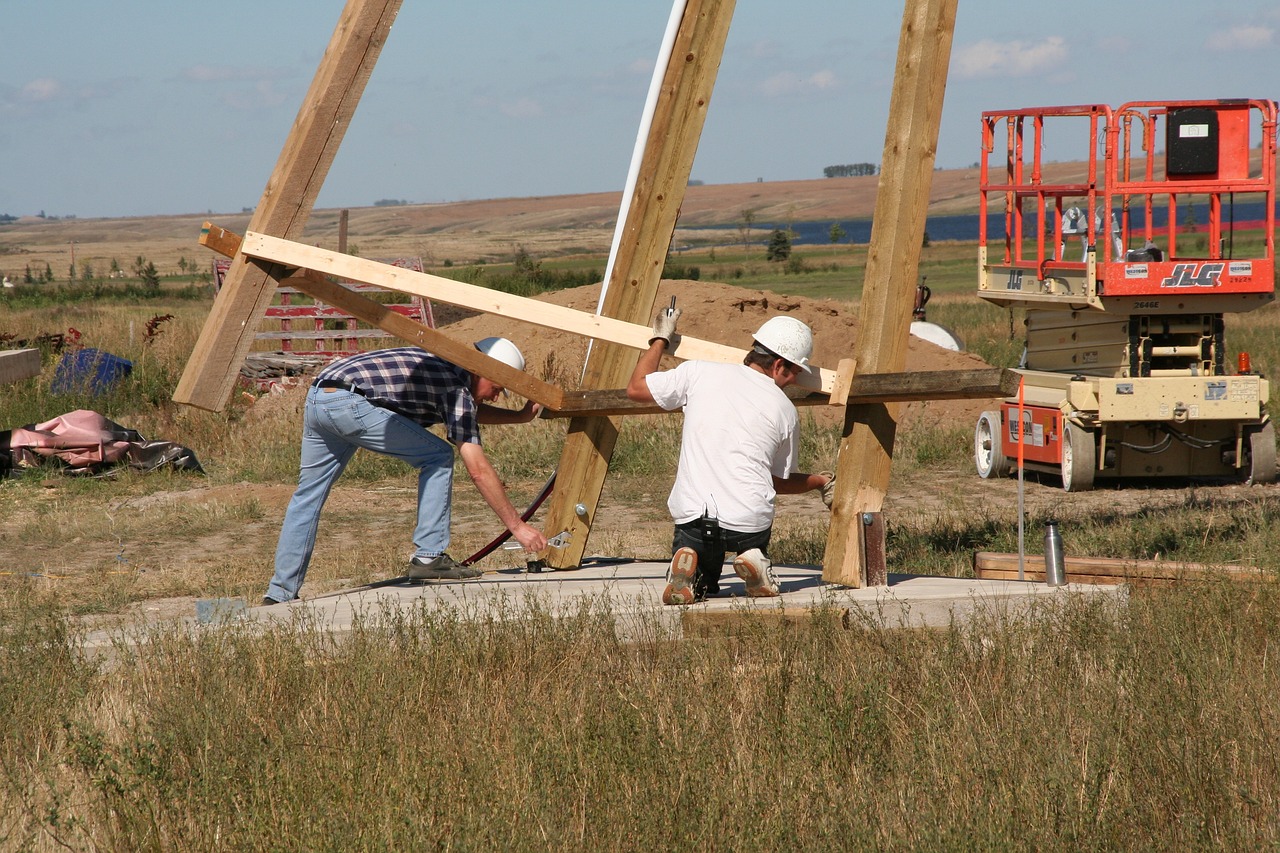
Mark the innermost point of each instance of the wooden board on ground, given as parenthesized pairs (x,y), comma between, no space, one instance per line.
(988,565)
(19,364)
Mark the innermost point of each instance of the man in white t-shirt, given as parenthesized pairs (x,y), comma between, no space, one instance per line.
(738,450)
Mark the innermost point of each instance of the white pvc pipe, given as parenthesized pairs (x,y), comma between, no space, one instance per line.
(637,153)
(642,136)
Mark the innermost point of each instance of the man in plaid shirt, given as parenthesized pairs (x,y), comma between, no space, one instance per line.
(384,401)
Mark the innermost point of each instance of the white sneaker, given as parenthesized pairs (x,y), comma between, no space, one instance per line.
(756,572)
(684,565)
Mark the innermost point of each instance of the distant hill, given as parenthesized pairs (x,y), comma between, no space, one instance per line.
(465,231)
(954,191)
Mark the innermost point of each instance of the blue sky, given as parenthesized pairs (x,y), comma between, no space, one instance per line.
(135,108)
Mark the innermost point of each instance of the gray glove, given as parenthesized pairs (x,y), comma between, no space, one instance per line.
(664,326)
(829,490)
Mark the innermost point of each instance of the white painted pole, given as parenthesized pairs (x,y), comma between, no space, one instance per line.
(642,135)
(637,153)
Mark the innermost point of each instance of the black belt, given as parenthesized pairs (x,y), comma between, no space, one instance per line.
(339,383)
(355,389)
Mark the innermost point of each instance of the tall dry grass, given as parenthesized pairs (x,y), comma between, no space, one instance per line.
(1085,724)
(1081,725)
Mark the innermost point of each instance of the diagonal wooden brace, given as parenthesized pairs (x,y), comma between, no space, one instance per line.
(361,307)
(437,288)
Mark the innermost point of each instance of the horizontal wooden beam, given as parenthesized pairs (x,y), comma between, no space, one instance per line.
(464,355)
(988,565)
(19,364)
(275,250)
(911,386)
(868,388)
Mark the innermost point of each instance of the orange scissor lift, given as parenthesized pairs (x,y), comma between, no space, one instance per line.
(1125,273)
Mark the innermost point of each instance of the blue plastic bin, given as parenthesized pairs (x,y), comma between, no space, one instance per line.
(89,371)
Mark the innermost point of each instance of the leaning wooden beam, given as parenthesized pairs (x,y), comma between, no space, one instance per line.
(440,289)
(632,291)
(285,205)
(865,389)
(888,294)
(363,308)
(988,565)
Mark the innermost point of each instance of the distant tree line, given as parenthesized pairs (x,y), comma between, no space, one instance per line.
(851,170)
(6,218)
(144,271)
(389,202)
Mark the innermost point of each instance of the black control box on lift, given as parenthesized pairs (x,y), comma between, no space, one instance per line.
(1191,143)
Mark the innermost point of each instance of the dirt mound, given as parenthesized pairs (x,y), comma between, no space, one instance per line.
(728,315)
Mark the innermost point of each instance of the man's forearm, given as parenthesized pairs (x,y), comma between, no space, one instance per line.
(637,388)
(489,485)
(487,414)
(798,483)
(490,488)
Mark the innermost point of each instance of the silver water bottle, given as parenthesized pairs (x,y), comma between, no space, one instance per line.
(1054,573)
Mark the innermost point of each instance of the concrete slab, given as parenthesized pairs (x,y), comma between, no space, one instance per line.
(633,590)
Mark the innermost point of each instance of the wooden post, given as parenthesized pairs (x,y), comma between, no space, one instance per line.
(286,202)
(888,295)
(633,287)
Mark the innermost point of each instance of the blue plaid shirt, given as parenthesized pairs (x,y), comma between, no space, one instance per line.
(416,384)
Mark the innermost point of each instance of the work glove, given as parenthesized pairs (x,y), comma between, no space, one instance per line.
(664,326)
(829,490)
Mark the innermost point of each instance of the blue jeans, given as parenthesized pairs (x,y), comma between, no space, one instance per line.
(334,424)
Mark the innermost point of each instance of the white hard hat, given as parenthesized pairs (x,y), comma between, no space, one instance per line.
(787,337)
(503,350)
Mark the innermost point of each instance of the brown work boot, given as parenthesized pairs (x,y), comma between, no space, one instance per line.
(684,565)
(756,572)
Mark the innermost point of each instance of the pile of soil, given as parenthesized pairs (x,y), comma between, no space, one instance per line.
(728,315)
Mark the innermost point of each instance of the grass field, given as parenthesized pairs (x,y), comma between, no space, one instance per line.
(1087,725)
